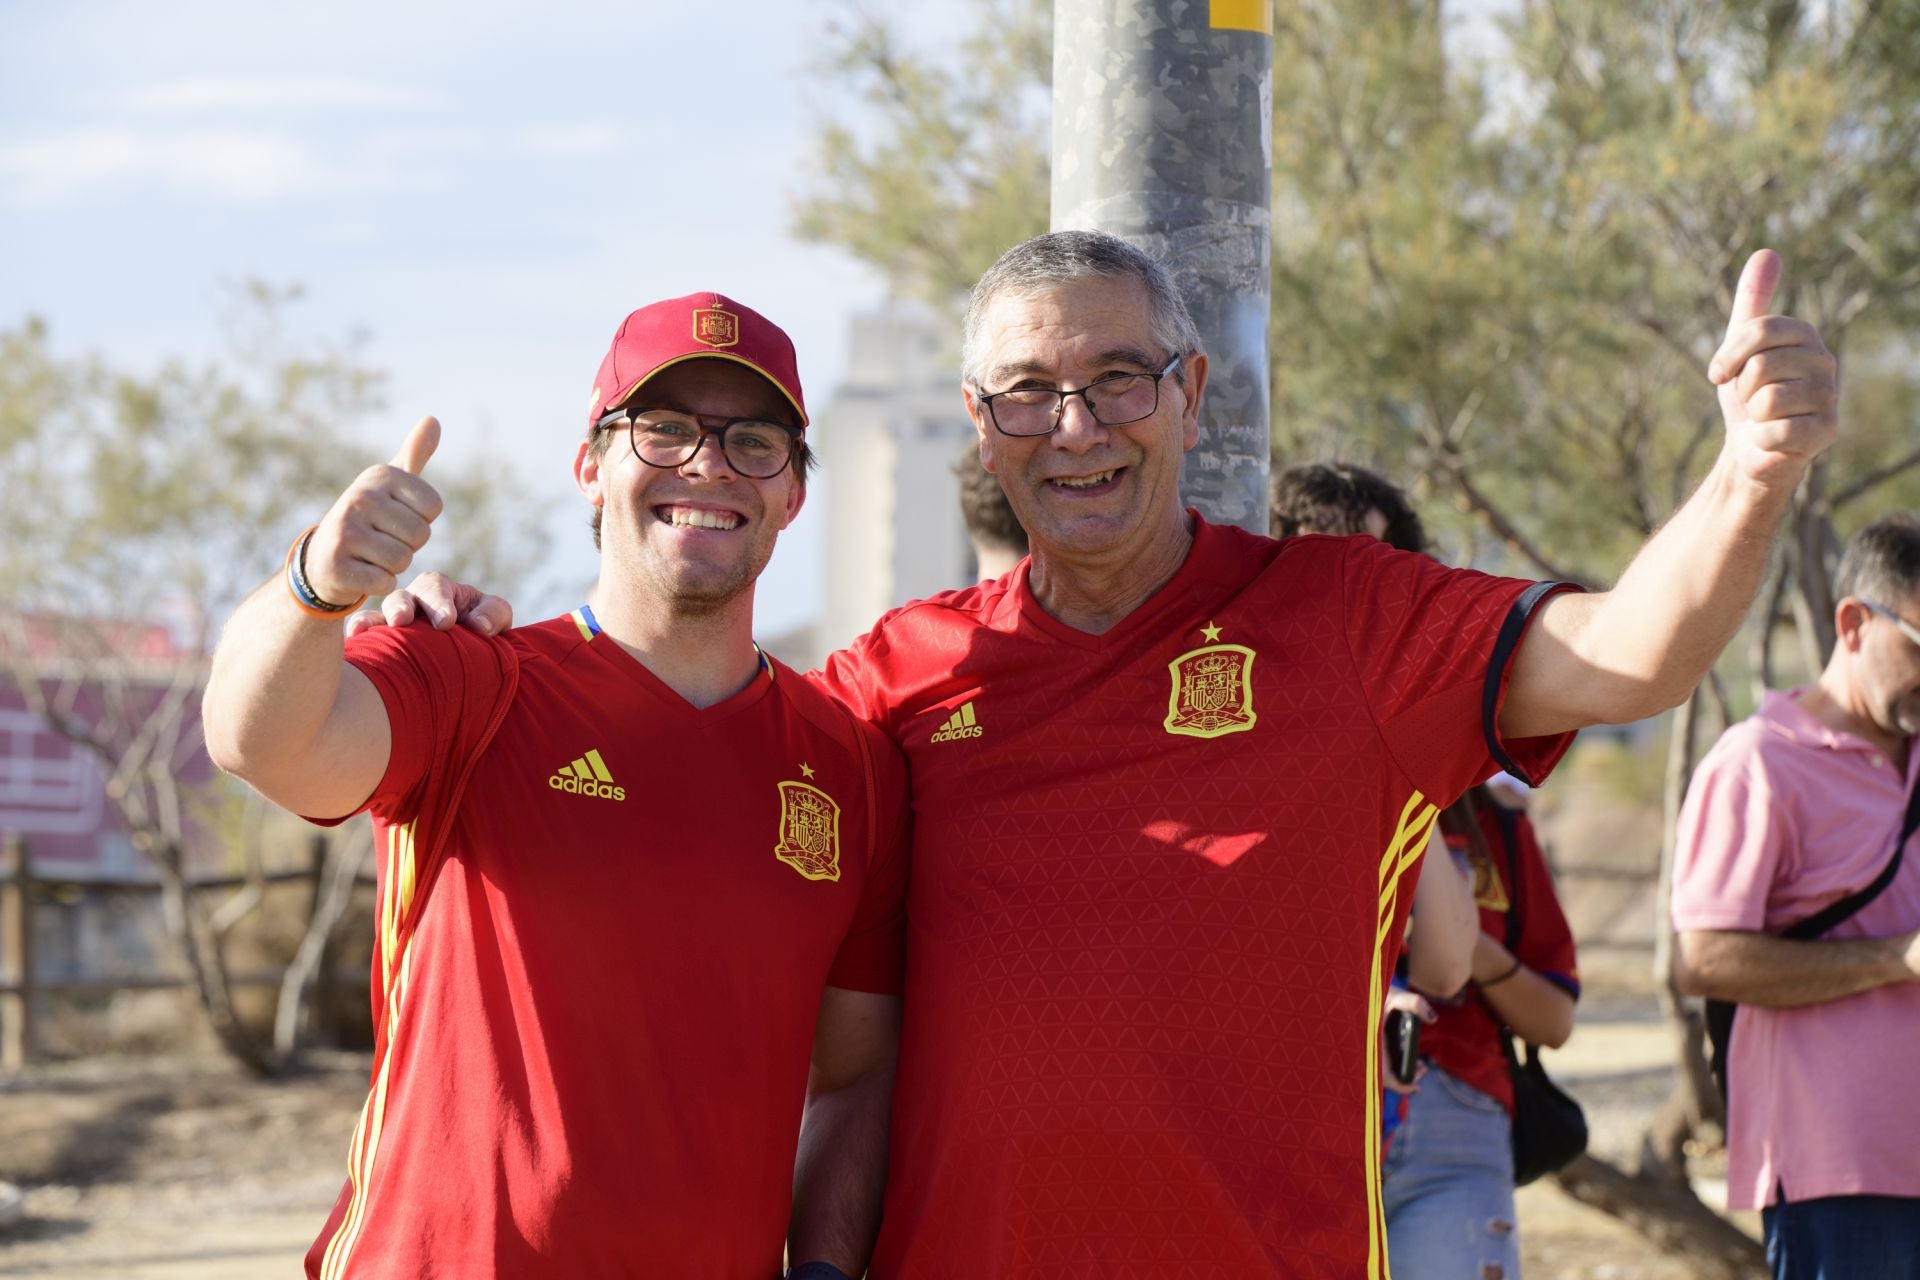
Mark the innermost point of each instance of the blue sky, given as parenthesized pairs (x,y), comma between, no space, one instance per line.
(483,190)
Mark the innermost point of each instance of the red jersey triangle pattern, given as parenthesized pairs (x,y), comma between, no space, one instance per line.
(1146,969)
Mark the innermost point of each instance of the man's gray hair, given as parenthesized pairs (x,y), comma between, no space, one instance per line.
(1882,561)
(1062,257)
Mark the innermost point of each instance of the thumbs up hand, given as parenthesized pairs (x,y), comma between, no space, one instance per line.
(371,532)
(1779,385)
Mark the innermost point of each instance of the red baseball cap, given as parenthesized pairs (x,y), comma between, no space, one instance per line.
(700,326)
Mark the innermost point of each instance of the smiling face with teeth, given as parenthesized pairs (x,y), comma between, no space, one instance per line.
(1093,498)
(695,537)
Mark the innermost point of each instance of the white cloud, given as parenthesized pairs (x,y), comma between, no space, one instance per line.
(245,166)
(588,138)
(266,93)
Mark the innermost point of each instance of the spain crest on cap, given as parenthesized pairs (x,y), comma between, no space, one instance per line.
(715,327)
(1212,690)
(809,831)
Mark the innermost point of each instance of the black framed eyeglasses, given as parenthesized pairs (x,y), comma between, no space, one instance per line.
(1113,402)
(1907,629)
(667,439)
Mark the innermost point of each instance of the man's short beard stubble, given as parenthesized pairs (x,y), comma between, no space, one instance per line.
(701,597)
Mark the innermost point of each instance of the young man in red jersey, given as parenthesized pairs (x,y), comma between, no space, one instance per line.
(641,887)
(1155,897)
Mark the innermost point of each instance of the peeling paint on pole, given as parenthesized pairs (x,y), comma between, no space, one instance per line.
(1163,136)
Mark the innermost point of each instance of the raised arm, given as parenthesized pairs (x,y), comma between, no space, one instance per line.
(840,1173)
(283,709)
(1622,655)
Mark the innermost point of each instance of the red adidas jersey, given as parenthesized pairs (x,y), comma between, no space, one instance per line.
(605,921)
(1465,1036)
(1158,883)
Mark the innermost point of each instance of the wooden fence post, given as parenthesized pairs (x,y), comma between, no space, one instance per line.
(320,1000)
(16,953)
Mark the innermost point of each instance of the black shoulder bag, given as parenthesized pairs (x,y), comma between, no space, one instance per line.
(1719,1013)
(1549,1128)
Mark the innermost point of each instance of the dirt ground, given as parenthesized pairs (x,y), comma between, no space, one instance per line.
(165,1169)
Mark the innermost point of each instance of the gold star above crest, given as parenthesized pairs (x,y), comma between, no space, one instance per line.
(806,771)
(1211,631)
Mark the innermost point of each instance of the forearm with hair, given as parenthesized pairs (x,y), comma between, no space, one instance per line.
(840,1172)
(1785,973)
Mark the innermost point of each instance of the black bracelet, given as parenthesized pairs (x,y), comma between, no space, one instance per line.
(303,594)
(1518,965)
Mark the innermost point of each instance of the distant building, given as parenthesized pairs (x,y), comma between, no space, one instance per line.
(53,793)
(119,682)
(53,790)
(889,436)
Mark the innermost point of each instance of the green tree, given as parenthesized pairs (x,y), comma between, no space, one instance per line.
(139,509)
(1500,273)
(946,163)
(1505,276)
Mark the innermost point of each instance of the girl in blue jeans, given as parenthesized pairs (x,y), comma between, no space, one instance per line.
(1448,1171)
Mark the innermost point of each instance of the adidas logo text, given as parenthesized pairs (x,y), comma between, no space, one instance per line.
(587,776)
(960,725)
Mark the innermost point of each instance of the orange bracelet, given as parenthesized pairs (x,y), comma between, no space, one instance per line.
(304,597)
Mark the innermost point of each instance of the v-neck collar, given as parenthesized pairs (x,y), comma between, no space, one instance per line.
(670,699)
(1212,551)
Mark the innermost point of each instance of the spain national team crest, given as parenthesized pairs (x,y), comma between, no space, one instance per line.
(715,327)
(1488,891)
(809,831)
(1212,689)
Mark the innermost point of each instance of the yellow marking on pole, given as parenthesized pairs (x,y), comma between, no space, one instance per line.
(1241,15)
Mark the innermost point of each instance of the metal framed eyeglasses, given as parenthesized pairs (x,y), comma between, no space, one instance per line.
(1113,402)
(667,439)
(1907,629)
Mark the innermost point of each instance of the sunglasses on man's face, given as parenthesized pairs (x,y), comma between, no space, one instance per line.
(1907,629)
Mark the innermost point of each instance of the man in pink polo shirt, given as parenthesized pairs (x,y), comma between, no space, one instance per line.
(1795,809)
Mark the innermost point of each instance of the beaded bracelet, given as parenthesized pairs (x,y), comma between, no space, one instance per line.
(303,595)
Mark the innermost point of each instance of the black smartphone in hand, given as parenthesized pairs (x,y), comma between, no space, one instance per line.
(1403,1045)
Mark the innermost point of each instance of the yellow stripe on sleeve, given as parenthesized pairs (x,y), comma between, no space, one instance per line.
(1409,841)
(329,1264)
(1413,821)
(384,922)
(409,876)
(396,959)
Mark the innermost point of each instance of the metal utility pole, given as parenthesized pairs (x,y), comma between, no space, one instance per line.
(1163,136)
